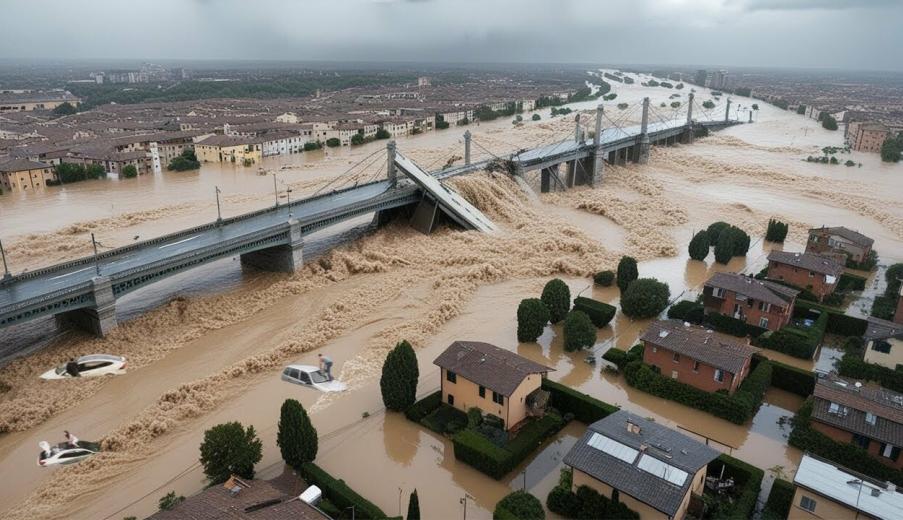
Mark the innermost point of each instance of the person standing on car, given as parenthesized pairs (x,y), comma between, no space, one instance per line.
(71,439)
(72,368)
(326,366)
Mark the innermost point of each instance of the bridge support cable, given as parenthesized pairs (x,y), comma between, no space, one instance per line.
(342,175)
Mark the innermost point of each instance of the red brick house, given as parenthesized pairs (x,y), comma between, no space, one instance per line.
(761,303)
(841,242)
(816,273)
(696,356)
(866,415)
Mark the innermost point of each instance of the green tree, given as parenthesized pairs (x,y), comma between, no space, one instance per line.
(828,122)
(556,296)
(604,278)
(312,145)
(129,171)
(296,436)
(755,106)
(740,239)
(230,449)
(709,104)
(579,331)
(714,231)
(645,298)
(332,142)
(801,109)
(532,316)
(699,246)
(627,272)
(892,276)
(536,117)
(891,148)
(675,104)
(519,505)
(413,507)
(357,139)
(382,133)
(169,501)
(65,109)
(777,231)
(187,160)
(724,248)
(398,382)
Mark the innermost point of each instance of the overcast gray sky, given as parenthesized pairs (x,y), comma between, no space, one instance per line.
(816,33)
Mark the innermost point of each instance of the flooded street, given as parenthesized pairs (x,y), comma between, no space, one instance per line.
(207,346)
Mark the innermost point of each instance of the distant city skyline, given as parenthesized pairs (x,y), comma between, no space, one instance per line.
(844,34)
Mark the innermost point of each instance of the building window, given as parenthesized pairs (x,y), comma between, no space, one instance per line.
(483,391)
(861,440)
(654,349)
(695,366)
(763,322)
(879,345)
(674,374)
(719,375)
(718,292)
(808,504)
(870,418)
(450,399)
(451,376)
(676,357)
(890,451)
(811,274)
(764,307)
(498,398)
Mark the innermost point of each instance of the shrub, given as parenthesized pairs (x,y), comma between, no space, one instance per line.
(557,297)
(129,171)
(777,231)
(474,417)
(884,307)
(169,501)
(599,313)
(587,503)
(724,248)
(731,325)
(584,408)
(312,145)
(850,282)
(296,436)
(621,358)
(579,331)
(424,407)
(413,507)
(604,278)
(338,493)
(187,160)
(714,231)
(357,139)
(828,122)
(892,276)
(536,117)
(230,449)
(532,316)
(645,298)
(382,133)
(796,341)
(687,310)
(445,419)
(780,498)
(852,365)
(740,240)
(627,272)
(747,482)
(699,246)
(398,382)
(709,104)
(519,505)
(790,378)
(332,142)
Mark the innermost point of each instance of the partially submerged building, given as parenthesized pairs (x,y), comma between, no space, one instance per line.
(497,381)
(650,468)
(762,303)
(841,242)
(816,273)
(25,175)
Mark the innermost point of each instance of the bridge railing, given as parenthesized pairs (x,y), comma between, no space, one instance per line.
(80,288)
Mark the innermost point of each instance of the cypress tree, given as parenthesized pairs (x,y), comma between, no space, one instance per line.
(714,230)
(579,331)
(557,297)
(724,248)
(413,507)
(741,240)
(627,272)
(296,436)
(398,383)
(532,316)
(699,246)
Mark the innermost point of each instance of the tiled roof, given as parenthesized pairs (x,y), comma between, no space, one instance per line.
(495,368)
(853,236)
(699,343)
(624,471)
(882,329)
(810,261)
(228,140)
(886,405)
(761,290)
(18,165)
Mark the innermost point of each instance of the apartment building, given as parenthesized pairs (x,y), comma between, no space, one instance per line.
(27,100)
(25,175)
(866,136)
(761,303)
(225,148)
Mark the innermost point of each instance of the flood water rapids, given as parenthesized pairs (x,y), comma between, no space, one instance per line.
(207,347)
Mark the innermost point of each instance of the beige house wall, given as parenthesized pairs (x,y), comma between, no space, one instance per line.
(26,180)
(890,359)
(225,154)
(824,508)
(467,395)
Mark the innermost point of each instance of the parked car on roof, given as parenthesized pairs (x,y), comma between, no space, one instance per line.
(311,376)
(89,366)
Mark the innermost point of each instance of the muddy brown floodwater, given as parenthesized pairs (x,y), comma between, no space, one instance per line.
(208,347)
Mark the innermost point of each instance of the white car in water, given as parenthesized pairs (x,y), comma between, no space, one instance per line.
(89,366)
(64,453)
(311,376)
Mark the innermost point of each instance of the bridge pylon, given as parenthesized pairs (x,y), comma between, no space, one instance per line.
(598,166)
(642,155)
(285,258)
(98,319)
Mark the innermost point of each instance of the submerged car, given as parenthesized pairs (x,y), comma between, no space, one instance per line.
(89,366)
(65,453)
(311,376)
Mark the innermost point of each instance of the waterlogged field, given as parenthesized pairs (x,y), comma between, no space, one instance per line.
(207,347)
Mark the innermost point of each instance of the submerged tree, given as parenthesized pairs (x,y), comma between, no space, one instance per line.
(557,297)
(296,436)
(413,507)
(532,316)
(398,382)
(627,272)
(230,449)
(699,246)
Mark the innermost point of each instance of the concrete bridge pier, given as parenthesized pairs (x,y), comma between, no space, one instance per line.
(286,258)
(548,179)
(99,319)
(571,177)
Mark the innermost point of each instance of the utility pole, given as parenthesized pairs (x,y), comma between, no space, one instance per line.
(96,265)
(276,190)
(288,193)
(219,215)
(6,274)
(467,137)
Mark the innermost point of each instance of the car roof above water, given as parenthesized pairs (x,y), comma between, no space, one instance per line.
(304,368)
(100,357)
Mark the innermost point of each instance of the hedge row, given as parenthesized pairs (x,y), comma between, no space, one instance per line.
(780,499)
(850,282)
(852,365)
(838,323)
(585,503)
(417,411)
(599,313)
(732,326)
(621,358)
(476,450)
(338,493)
(737,408)
(795,341)
(687,310)
(808,439)
(747,481)
(584,408)
(792,379)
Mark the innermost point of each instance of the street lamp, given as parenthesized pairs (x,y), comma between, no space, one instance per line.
(6,274)
(276,190)
(219,215)
(96,265)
